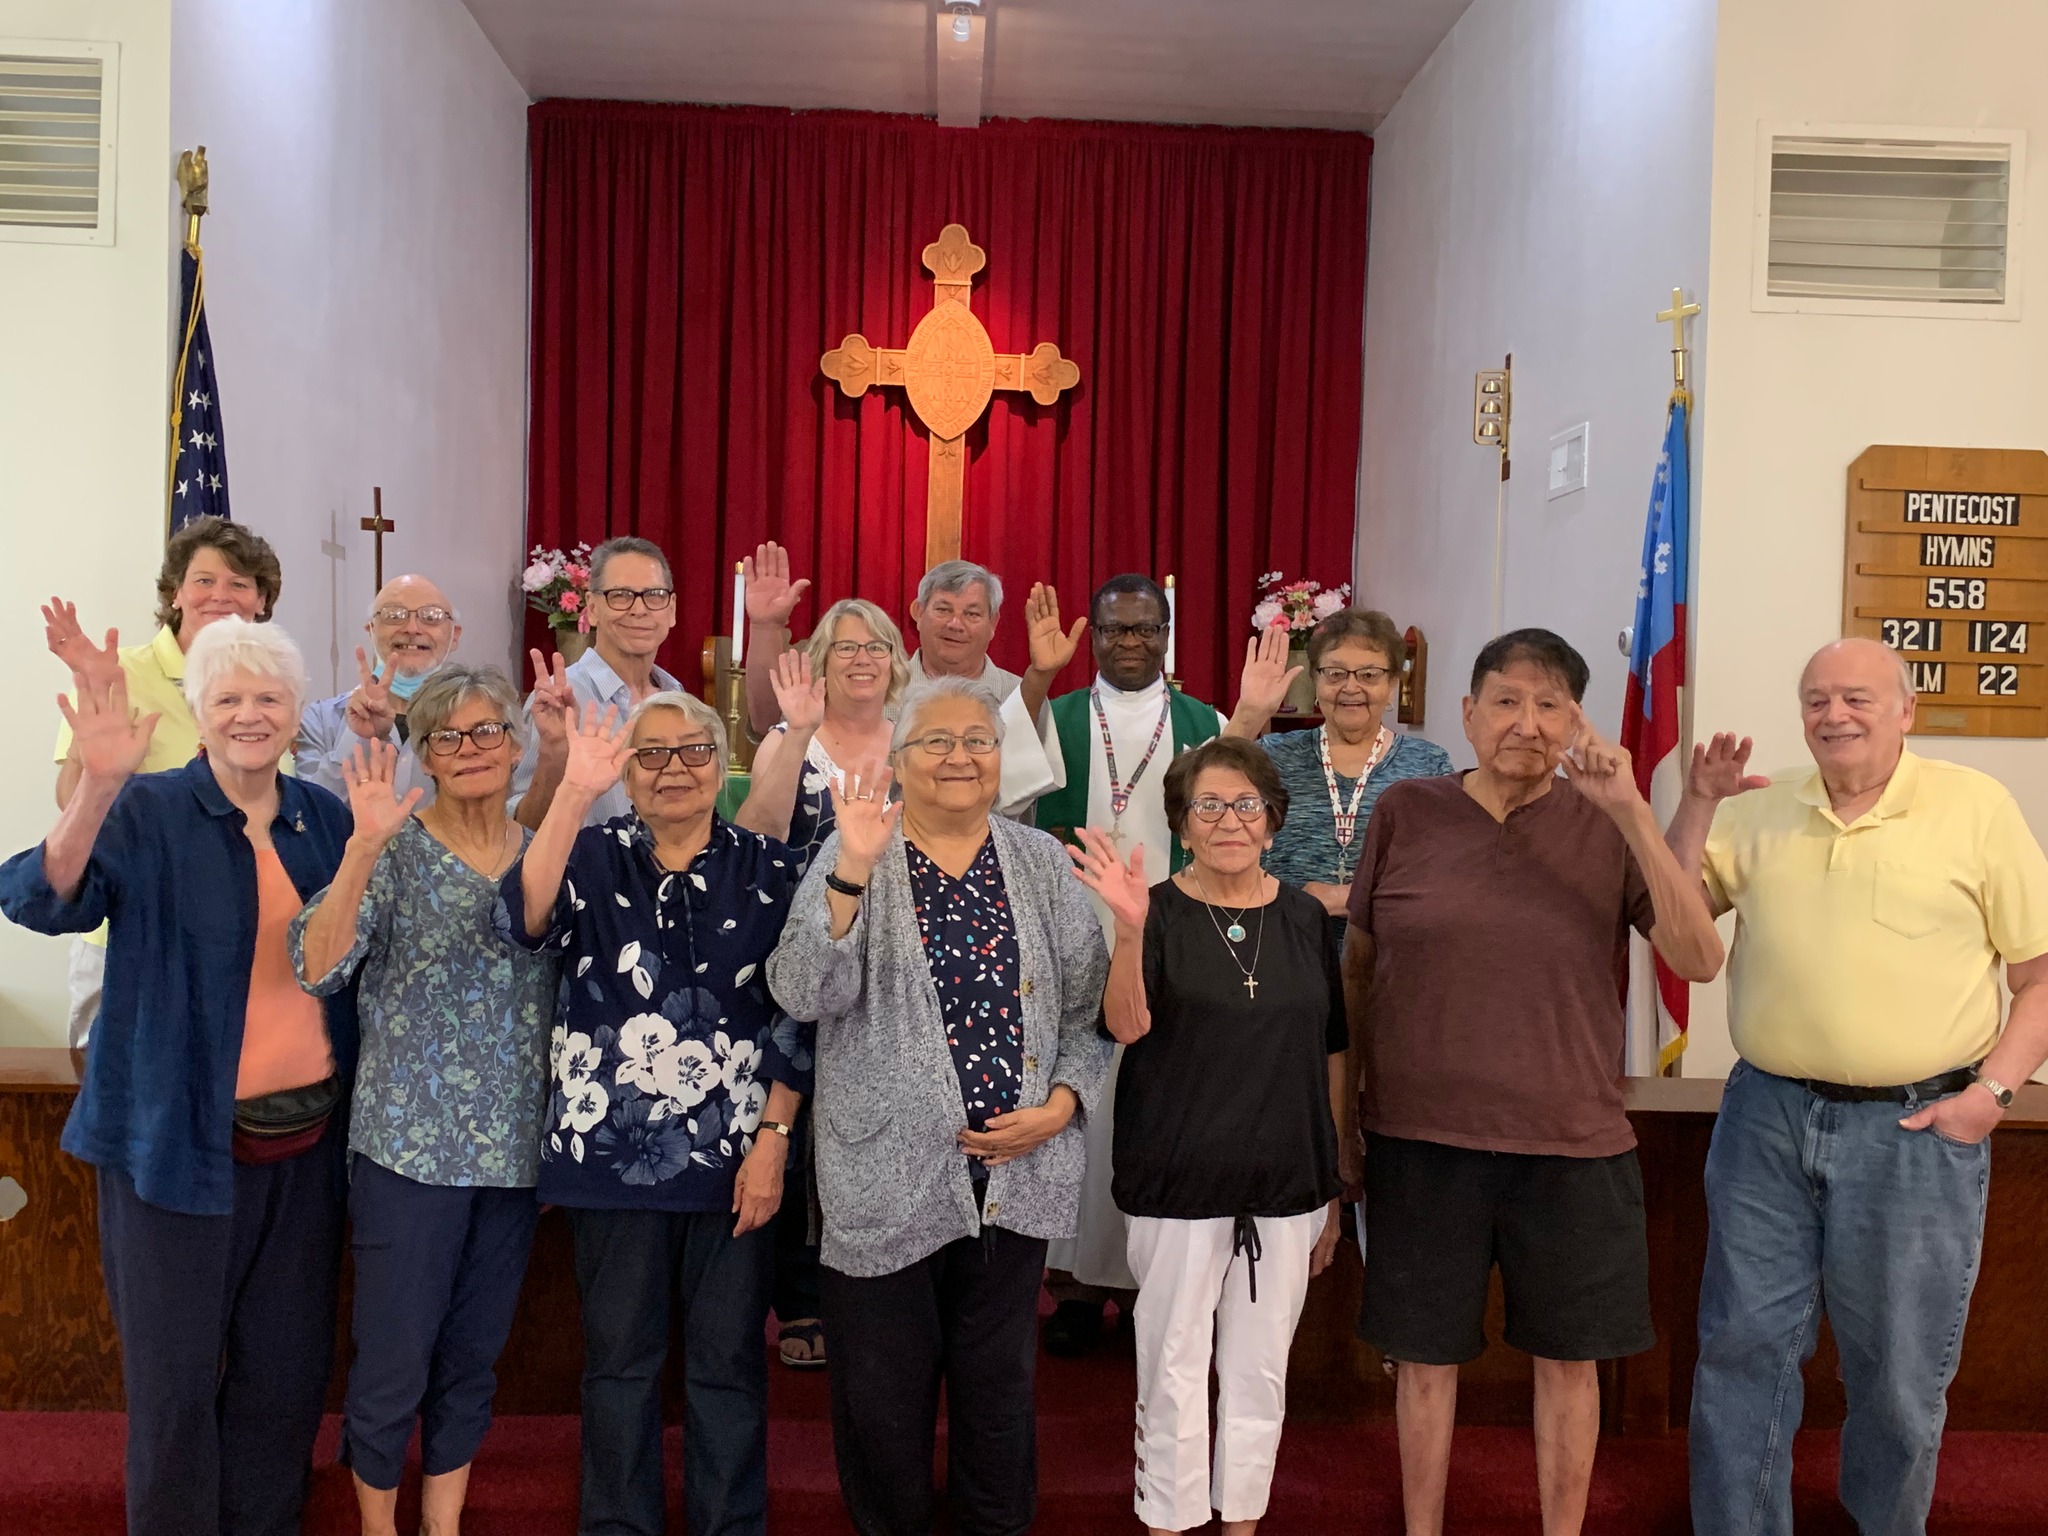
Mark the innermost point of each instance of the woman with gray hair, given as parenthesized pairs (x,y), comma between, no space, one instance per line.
(954,967)
(210,1096)
(444,1132)
(675,1082)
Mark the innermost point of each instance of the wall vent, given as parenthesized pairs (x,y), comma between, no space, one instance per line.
(57,141)
(1857,222)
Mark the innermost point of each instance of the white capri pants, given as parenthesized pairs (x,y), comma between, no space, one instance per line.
(1194,1289)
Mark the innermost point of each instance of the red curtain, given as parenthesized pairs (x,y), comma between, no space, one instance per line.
(690,264)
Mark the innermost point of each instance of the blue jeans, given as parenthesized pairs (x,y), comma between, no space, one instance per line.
(1814,1204)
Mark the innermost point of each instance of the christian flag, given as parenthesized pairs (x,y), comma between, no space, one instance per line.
(1650,724)
(197,485)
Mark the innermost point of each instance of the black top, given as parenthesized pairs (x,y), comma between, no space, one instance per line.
(1223,1108)
(970,943)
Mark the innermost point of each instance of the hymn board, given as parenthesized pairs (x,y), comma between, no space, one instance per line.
(1947,563)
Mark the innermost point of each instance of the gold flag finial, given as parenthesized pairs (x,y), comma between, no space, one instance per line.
(192,182)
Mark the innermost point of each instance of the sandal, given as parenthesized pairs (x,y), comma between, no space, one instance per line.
(801,1344)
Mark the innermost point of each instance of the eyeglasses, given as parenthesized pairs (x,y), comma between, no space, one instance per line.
(942,743)
(1211,808)
(846,650)
(620,599)
(487,735)
(1335,677)
(695,754)
(1115,632)
(407,615)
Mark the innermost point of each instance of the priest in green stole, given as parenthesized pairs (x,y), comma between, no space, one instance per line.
(1097,757)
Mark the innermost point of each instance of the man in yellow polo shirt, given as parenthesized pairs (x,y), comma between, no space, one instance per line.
(1874,902)
(212,568)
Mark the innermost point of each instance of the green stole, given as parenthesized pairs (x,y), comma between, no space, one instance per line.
(1061,811)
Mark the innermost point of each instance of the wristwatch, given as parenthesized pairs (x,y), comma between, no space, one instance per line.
(779,1128)
(1997,1090)
(843,887)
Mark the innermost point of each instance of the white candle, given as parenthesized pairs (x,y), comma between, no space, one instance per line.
(739,613)
(1171,599)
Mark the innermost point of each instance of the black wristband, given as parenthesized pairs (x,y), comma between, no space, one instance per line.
(843,887)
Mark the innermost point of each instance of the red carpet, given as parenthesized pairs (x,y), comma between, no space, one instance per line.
(60,1474)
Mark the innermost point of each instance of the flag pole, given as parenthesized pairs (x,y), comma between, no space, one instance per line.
(192,184)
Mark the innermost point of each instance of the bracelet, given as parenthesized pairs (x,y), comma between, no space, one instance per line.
(780,1129)
(843,887)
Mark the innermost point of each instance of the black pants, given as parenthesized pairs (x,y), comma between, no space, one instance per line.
(796,1256)
(631,1266)
(438,1272)
(227,1336)
(966,1316)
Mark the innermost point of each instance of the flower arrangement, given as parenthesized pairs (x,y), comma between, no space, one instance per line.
(558,585)
(1297,606)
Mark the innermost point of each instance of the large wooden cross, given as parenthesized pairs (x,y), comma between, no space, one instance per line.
(949,370)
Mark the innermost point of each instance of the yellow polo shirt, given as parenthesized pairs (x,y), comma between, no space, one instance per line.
(1868,954)
(156,682)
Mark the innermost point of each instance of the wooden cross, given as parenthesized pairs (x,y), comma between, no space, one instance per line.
(1678,314)
(379,526)
(949,369)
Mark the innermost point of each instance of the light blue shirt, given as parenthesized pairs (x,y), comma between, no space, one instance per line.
(594,682)
(325,742)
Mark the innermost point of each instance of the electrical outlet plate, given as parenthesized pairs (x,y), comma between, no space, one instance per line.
(1568,460)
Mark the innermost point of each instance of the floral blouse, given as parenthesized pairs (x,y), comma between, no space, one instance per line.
(665,1037)
(452,1078)
(811,819)
(970,943)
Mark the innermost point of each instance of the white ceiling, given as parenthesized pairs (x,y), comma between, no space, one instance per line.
(1282,63)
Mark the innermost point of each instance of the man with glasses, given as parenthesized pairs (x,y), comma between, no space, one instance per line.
(1099,760)
(632,608)
(413,628)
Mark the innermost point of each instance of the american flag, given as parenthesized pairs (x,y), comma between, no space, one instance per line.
(199,459)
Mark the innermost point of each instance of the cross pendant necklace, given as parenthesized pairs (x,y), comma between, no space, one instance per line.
(1251,987)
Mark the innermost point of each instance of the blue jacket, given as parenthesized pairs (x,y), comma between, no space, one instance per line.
(174,876)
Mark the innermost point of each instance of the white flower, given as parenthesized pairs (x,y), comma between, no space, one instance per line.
(685,1072)
(642,1038)
(1266,614)
(536,575)
(748,1105)
(739,1063)
(587,1103)
(579,1060)
(1327,603)
(558,1049)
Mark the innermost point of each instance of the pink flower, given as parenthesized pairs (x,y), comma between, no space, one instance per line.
(570,602)
(536,575)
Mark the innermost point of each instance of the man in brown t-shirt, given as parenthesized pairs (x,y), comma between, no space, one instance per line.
(1489,920)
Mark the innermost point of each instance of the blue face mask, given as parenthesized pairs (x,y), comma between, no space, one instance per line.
(403,685)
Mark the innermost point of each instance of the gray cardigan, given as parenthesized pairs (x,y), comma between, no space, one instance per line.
(891,1181)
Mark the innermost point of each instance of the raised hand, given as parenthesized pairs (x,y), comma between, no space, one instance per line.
(370,712)
(1051,646)
(1602,771)
(1717,771)
(1263,685)
(799,696)
(1121,886)
(107,739)
(552,703)
(598,750)
(373,793)
(771,596)
(91,665)
(864,816)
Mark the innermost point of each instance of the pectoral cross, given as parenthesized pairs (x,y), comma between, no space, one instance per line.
(379,526)
(949,371)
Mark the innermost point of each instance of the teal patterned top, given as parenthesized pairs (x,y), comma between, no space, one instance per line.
(1305,848)
(453,1077)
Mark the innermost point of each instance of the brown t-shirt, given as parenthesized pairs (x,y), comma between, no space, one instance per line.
(1495,1017)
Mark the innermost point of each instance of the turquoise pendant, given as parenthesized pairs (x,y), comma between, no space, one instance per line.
(1235,932)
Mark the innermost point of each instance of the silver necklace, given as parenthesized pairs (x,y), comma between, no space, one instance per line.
(1234,935)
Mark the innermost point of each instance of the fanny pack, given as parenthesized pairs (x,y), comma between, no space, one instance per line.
(274,1126)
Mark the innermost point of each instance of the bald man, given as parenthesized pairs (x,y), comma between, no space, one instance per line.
(1876,900)
(412,628)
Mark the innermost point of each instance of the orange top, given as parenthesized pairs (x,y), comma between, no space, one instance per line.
(284,1036)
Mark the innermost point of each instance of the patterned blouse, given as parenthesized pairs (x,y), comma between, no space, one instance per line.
(1305,848)
(970,943)
(665,1036)
(811,819)
(452,1078)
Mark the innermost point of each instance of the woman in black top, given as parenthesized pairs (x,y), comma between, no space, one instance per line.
(1224,989)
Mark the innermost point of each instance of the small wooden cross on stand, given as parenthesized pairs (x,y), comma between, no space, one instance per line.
(1678,314)
(379,526)
(949,370)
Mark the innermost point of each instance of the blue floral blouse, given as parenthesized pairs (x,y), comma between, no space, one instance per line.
(665,1037)
(452,1077)
(810,818)
(970,943)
